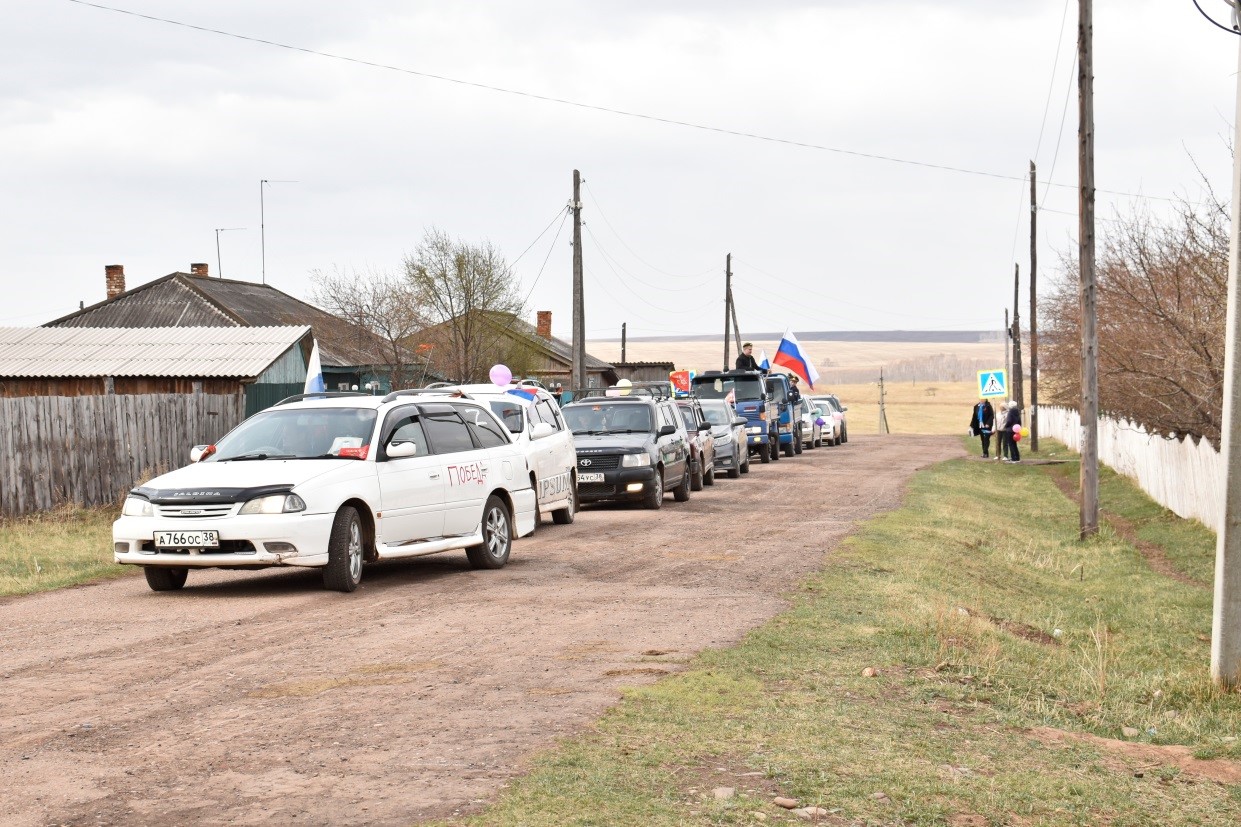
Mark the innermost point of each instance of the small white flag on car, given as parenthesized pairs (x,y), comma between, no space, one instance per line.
(314,372)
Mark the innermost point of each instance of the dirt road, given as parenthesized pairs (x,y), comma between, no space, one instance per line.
(260,698)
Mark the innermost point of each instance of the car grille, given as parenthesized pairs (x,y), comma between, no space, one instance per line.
(226,547)
(196,512)
(596,489)
(605,462)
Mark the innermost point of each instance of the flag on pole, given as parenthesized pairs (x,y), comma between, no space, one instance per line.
(790,355)
(526,394)
(763,364)
(731,397)
(314,372)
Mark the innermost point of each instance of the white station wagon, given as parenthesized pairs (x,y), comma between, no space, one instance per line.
(332,480)
(539,430)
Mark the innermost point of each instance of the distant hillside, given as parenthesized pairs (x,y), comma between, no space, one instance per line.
(929,336)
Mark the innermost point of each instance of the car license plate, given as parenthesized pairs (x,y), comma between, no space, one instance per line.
(590,477)
(187,539)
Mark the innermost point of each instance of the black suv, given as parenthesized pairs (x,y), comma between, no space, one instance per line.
(631,447)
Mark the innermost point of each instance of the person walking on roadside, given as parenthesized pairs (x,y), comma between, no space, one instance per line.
(1012,425)
(746,360)
(982,423)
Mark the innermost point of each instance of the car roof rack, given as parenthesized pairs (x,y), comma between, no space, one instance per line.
(320,395)
(440,389)
(656,392)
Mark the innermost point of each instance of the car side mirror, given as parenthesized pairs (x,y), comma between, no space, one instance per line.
(704,426)
(667,430)
(844,408)
(541,430)
(200,452)
(771,395)
(739,420)
(398,450)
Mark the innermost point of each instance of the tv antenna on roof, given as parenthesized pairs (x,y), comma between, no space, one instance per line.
(263,224)
(218,264)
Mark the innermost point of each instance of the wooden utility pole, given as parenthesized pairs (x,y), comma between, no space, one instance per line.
(1033,316)
(579,311)
(1226,616)
(1089,475)
(883,413)
(623,342)
(1008,349)
(728,304)
(1018,384)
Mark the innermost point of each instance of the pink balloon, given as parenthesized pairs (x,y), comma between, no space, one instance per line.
(500,375)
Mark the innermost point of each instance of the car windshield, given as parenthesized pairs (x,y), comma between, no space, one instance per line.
(717,414)
(303,433)
(718,388)
(510,414)
(602,418)
(778,393)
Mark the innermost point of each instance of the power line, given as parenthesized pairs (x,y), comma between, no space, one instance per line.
(589,106)
(599,209)
(614,264)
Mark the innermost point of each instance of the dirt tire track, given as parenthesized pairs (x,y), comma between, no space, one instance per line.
(252,698)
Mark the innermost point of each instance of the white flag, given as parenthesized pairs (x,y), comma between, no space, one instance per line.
(314,372)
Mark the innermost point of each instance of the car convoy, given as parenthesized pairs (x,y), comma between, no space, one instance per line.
(336,480)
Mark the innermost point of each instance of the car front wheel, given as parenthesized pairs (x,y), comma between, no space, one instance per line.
(655,491)
(493,551)
(681,492)
(564,516)
(161,579)
(343,571)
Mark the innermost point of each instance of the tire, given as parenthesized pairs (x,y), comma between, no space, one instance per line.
(797,441)
(788,449)
(745,468)
(764,453)
(161,579)
(681,492)
(655,491)
(734,473)
(695,476)
(343,571)
(844,435)
(709,477)
(564,516)
(497,523)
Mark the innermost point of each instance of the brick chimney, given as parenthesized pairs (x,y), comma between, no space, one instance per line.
(545,323)
(199,270)
(114,279)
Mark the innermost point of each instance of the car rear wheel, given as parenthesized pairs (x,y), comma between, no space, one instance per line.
(564,516)
(343,571)
(655,491)
(681,492)
(788,449)
(493,551)
(161,579)
(797,441)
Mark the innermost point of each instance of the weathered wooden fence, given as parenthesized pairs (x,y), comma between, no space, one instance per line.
(1184,477)
(90,449)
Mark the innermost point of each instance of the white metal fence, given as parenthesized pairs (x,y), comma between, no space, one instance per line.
(1185,478)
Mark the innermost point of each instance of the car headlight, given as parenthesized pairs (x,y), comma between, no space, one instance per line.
(137,507)
(274,504)
(635,460)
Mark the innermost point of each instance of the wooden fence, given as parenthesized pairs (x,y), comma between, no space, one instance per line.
(89,450)
(1184,477)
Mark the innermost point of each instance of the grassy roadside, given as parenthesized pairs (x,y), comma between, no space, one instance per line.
(1019,677)
(55,549)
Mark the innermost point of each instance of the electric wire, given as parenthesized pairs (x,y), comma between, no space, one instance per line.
(614,264)
(1218,25)
(606,260)
(599,209)
(589,106)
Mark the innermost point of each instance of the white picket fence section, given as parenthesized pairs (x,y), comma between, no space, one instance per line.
(1185,478)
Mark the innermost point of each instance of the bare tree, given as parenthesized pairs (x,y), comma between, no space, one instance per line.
(1162,293)
(383,304)
(472,302)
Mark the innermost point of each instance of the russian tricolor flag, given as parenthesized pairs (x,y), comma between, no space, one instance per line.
(790,355)
(525,393)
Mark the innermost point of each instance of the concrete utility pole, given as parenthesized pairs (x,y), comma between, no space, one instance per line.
(728,303)
(1018,384)
(579,312)
(1033,316)
(1089,474)
(623,324)
(1226,617)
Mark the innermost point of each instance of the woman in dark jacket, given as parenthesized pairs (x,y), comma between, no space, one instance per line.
(1012,424)
(982,423)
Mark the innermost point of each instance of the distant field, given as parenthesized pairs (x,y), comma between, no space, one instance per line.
(913,405)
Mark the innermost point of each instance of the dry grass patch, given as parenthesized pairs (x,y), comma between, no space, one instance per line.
(58,548)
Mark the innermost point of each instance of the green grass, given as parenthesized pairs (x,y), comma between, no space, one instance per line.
(986,620)
(55,549)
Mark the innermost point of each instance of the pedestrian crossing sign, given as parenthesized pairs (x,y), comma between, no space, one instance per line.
(992,383)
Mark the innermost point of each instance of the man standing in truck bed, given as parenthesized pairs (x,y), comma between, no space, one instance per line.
(746,360)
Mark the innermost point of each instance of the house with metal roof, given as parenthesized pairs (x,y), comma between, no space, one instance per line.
(350,354)
(528,350)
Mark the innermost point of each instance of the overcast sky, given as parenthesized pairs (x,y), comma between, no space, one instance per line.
(126,140)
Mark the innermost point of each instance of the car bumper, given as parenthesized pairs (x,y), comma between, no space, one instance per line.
(616,483)
(256,541)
